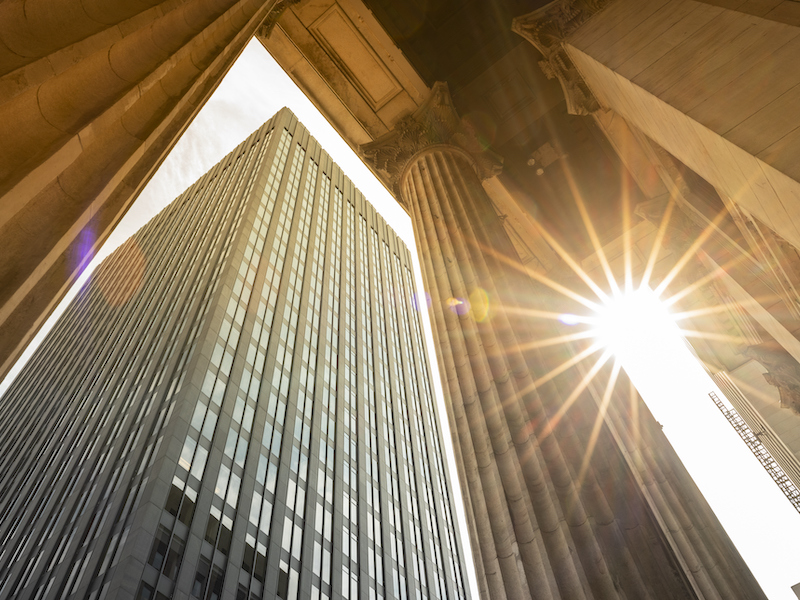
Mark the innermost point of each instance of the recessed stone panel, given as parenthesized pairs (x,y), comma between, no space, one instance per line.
(342,41)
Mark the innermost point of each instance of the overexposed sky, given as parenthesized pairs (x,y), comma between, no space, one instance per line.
(759,519)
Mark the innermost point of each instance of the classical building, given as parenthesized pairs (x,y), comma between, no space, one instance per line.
(238,405)
(528,141)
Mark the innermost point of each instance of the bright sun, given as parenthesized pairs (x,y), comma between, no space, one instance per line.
(635,324)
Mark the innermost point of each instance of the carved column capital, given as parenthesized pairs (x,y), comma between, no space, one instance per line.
(434,123)
(547,28)
(783,372)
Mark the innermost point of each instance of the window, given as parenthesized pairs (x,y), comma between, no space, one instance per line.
(159,551)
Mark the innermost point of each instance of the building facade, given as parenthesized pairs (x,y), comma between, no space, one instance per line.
(672,116)
(237,405)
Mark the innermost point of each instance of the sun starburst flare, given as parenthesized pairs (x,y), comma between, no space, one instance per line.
(631,317)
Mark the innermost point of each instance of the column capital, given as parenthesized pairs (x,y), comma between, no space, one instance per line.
(547,28)
(435,123)
(783,372)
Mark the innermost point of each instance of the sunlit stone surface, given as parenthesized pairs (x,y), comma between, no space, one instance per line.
(686,143)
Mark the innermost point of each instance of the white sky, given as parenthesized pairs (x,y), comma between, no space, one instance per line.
(759,519)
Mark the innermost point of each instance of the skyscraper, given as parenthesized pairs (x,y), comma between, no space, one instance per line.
(237,405)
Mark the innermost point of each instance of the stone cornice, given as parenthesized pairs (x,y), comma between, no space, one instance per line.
(434,123)
(272,18)
(547,28)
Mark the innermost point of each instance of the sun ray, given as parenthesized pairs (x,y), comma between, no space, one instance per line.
(708,310)
(598,423)
(710,276)
(690,253)
(545,314)
(688,289)
(565,291)
(656,249)
(593,237)
(570,400)
(561,339)
(718,337)
(556,371)
(635,428)
(571,262)
(541,278)
(627,245)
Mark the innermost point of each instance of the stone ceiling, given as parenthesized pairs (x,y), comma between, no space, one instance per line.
(452,40)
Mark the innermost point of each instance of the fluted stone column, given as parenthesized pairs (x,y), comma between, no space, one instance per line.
(93,95)
(714,83)
(546,523)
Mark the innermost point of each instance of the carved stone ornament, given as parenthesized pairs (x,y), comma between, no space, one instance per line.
(265,29)
(783,372)
(681,232)
(547,28)
(435,122)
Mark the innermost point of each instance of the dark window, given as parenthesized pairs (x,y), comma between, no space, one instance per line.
(247,561)
(174,500)
(174,557)
(146,592)
(283,584)
(159,550)
(200,578)
(215,585)
(187,511)
(211,529)
(261,566)
(224,539)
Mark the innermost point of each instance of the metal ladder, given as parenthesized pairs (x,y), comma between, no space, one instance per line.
(753,442)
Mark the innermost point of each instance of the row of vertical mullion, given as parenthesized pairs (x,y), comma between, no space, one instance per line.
(297,284)
(444,497)
(249,149)
(214,457)
(131,312)
(426,476)
(325,416)
(368,405)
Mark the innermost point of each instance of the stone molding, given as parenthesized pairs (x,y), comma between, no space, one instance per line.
(779,259)
(783,373)
(680,234)
(681,231)
(547,29)
(435,123)
(265,29)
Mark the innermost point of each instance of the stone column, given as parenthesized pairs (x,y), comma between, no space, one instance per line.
(545,522)
(715,86)
(93,95)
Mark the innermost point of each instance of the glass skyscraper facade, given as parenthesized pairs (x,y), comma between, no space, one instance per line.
(237,405)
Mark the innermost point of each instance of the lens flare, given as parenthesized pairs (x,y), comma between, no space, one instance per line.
(421,299)
(130,261)
(569,319)
(480,305)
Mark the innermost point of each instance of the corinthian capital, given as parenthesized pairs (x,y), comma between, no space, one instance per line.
(434,123)
(783,372)
(547,28)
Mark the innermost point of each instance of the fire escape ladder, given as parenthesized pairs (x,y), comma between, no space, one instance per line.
(760,451)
